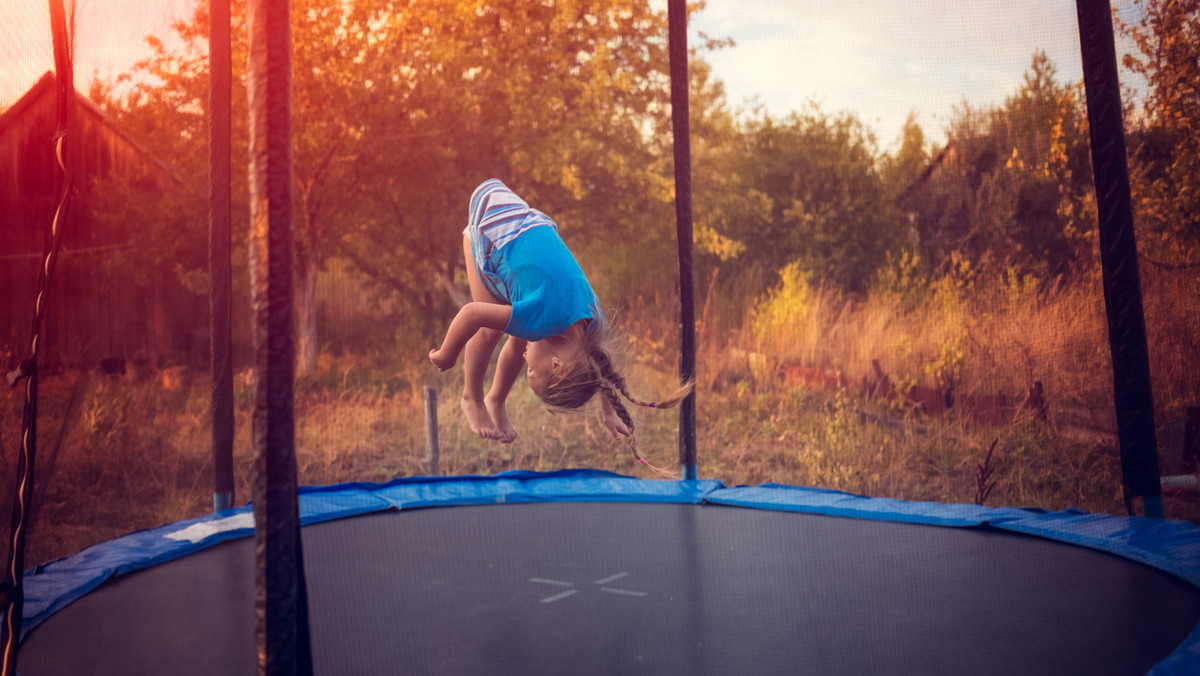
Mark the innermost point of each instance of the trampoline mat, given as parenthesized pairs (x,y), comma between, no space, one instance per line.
(637,588)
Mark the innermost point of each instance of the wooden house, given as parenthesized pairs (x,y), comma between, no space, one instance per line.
(90,314)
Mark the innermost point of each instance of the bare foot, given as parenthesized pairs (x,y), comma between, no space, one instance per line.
(499,414)
(478,418)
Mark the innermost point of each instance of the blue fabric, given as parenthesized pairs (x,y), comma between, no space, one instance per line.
(522,261)
(1170,546)
(547,288)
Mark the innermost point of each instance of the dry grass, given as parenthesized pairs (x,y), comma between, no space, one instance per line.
(135,455)
(998,338)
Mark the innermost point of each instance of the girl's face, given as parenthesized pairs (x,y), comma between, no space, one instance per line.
(543,359)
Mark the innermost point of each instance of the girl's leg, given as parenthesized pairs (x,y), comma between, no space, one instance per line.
(476,356)
(508,368)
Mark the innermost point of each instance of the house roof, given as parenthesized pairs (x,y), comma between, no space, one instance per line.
(44,85)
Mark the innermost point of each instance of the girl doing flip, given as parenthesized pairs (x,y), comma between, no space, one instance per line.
(527,285)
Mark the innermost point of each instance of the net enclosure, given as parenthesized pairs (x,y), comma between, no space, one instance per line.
(887,304)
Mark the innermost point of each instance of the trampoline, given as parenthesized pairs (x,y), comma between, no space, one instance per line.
(588,572)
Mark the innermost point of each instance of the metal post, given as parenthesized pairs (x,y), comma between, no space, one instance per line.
(677,38)
(219,266)
(431,428)
(1119,260)
(281,603)
(67,150)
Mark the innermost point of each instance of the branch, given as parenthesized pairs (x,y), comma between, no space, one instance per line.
(323,165)
(1170,266)
(413,135)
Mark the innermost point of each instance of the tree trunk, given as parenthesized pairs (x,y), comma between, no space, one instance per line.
(306,311)
(304,297)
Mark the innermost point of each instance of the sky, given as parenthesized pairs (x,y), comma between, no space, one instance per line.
(110,37)
(884,60)
(878,59)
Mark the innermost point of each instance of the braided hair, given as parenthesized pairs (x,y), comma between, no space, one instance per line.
(592,372)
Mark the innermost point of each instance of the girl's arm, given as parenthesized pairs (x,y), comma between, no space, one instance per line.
(471,318)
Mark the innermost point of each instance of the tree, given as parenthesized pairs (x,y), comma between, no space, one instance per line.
(814,196)
(565,101)
(1165,152)
(402,107)
(900,171)
(1013,186)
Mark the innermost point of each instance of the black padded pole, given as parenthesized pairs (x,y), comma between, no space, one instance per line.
(219,267)
(281,606)
(66,151)
(1133,395)
(677,38)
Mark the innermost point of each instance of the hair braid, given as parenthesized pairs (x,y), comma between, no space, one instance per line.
(613,395)
(592,372)
(608,373)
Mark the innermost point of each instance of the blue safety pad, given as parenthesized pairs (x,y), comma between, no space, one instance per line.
(51,586)
(525,486)
(1170,546)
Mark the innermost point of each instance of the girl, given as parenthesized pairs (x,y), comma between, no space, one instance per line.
(527,284)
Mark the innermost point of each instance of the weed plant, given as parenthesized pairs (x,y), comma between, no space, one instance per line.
(132,454)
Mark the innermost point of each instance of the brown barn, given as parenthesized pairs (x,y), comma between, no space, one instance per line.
(90,314)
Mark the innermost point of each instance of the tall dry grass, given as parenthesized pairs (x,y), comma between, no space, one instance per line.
(998,336)
(136,454)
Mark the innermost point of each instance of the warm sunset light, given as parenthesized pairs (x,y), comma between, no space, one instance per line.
(600,337)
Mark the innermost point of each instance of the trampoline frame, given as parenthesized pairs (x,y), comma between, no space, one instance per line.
(1172,547)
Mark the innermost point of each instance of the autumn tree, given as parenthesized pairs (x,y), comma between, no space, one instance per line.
(1165,150)
(1012,189)
(161,105)
(402,107)
(902,170)
(813,195)
(565,101)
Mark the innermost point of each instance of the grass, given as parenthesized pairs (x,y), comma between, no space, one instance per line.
(134,454)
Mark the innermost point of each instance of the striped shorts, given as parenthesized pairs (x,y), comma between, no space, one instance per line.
(498,216)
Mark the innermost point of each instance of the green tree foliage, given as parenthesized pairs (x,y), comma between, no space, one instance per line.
(402,107)
(901,170)
(1012,189)
(565,101)
(813,195)
(164,112)
(640,261)
(1165,150)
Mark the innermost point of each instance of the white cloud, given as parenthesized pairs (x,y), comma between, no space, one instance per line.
(882,60)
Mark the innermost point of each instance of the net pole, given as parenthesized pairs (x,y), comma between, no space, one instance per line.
(12,591)
(219,249)
(1133,395)
(678,50)
(281,604)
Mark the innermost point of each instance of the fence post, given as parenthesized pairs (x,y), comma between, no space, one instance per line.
(431,428)
(1191,439)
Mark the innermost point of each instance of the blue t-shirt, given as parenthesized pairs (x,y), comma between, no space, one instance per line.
(522,260)
(546,286)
